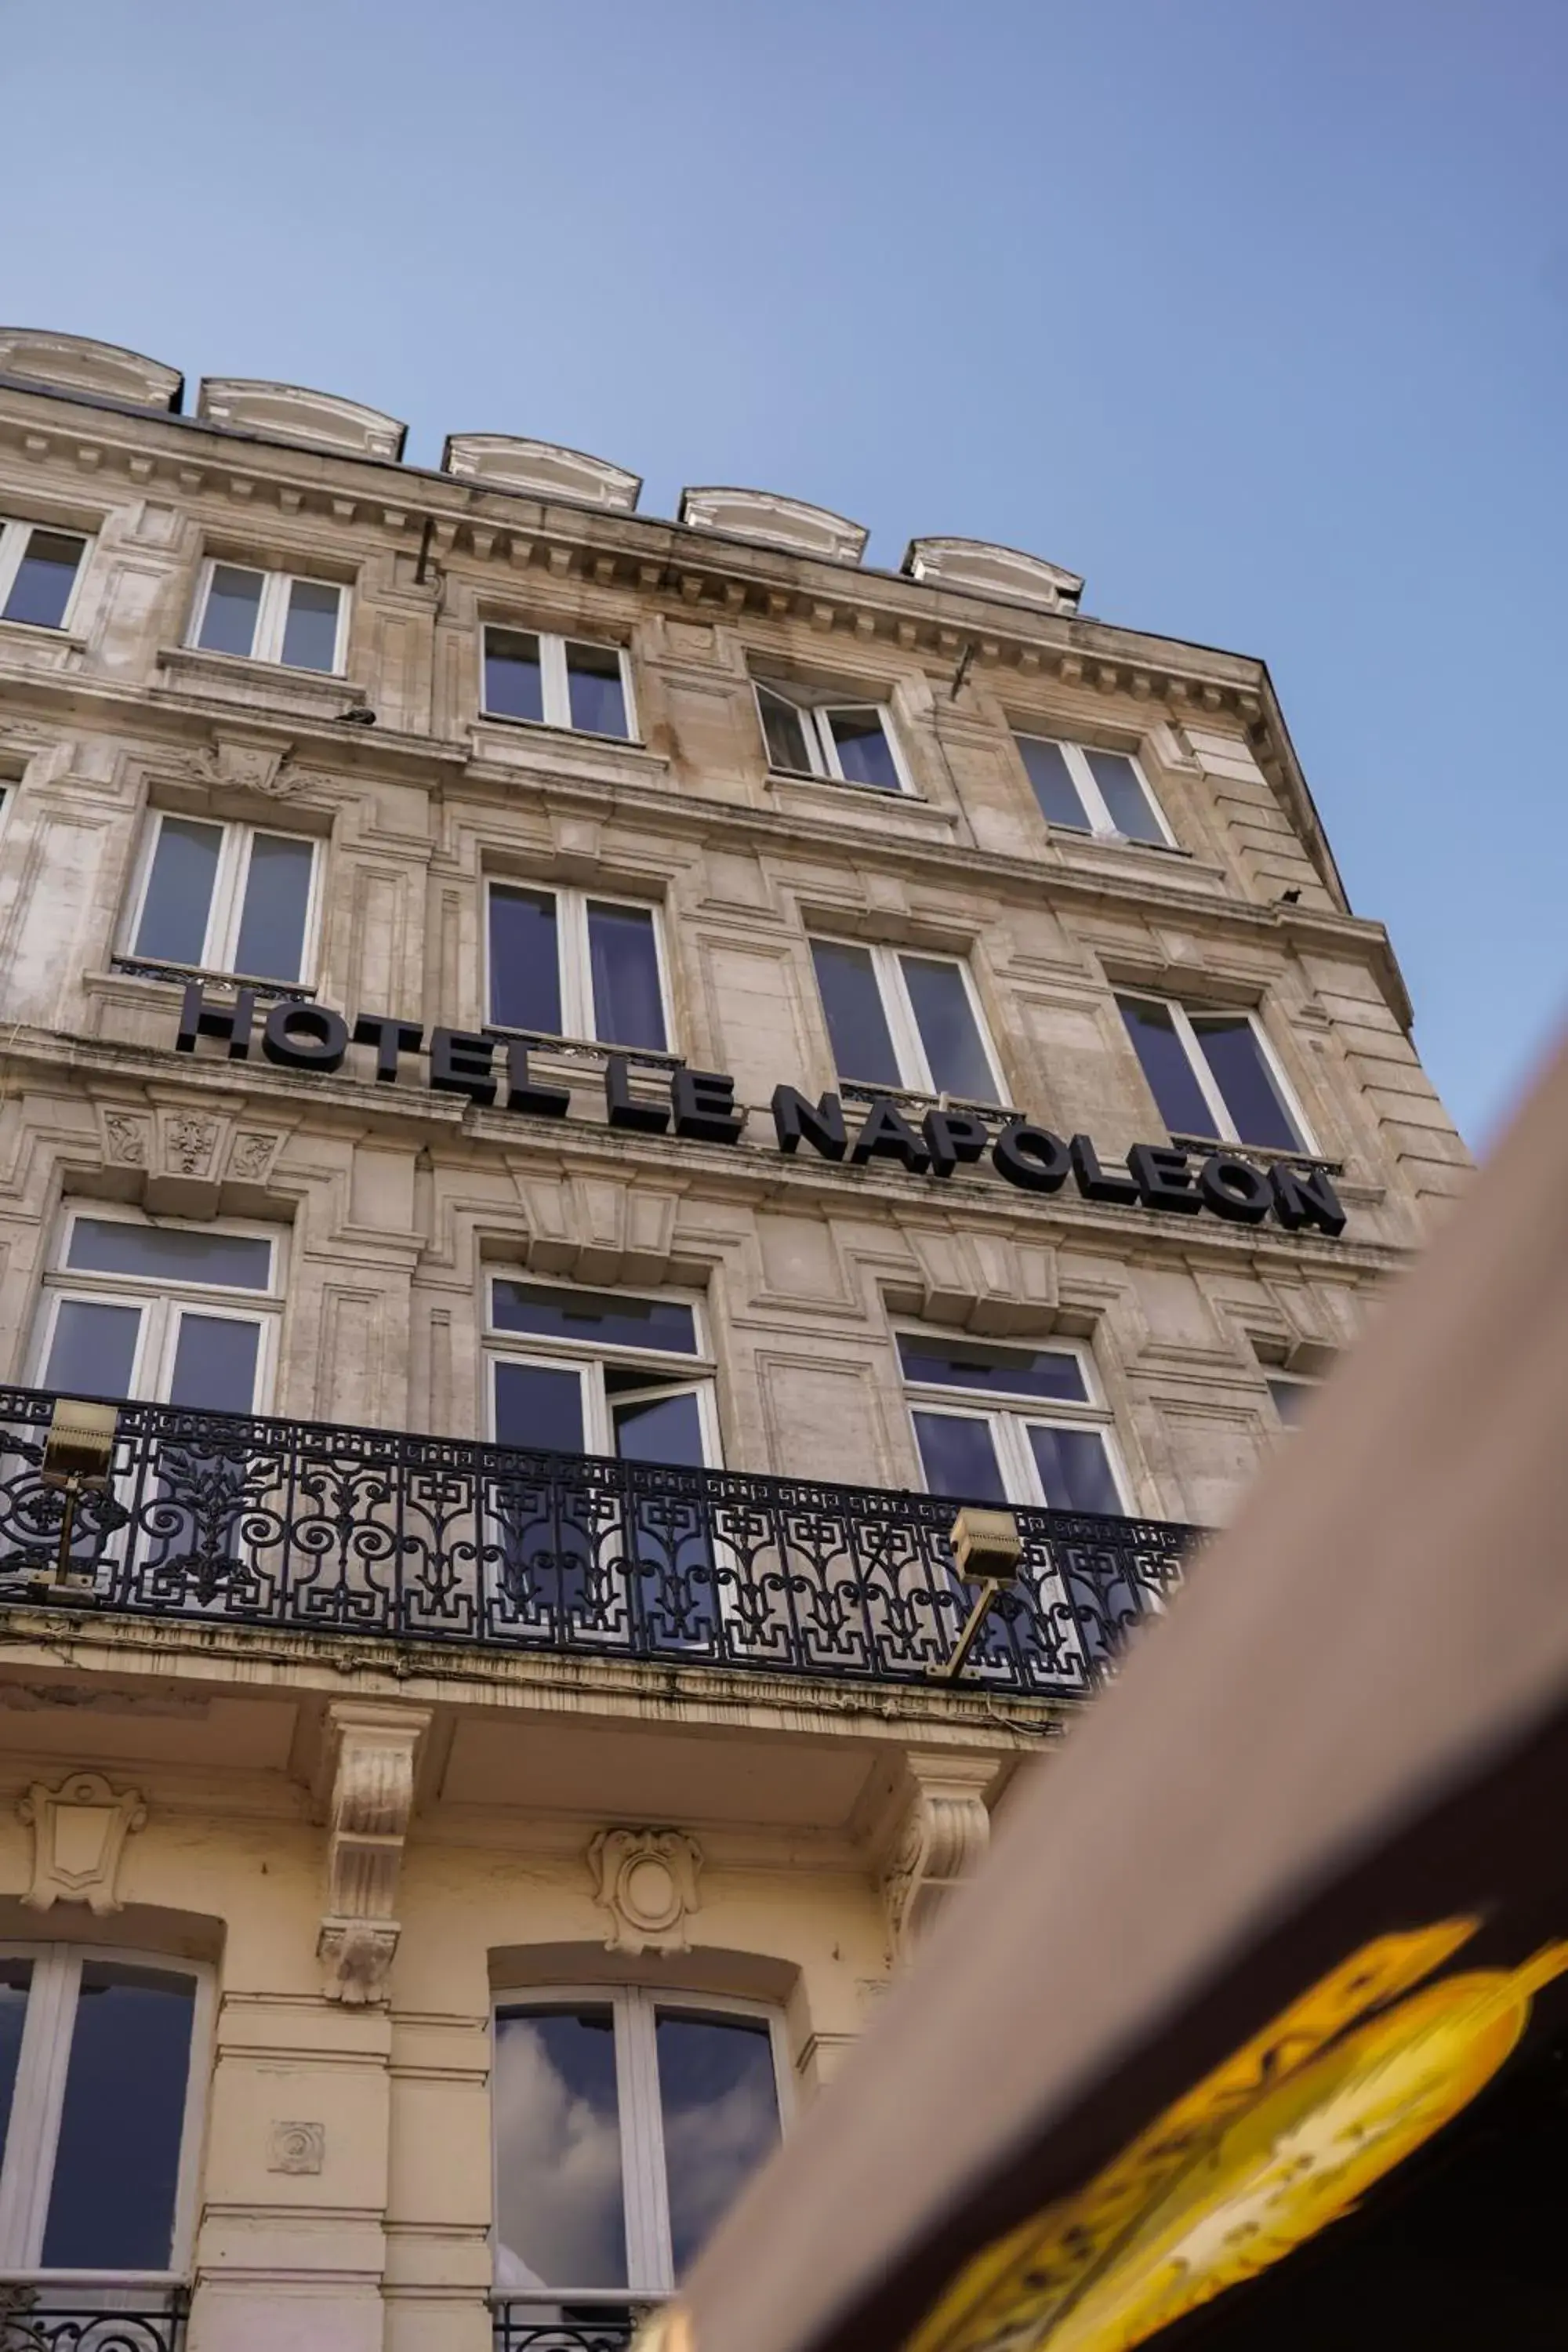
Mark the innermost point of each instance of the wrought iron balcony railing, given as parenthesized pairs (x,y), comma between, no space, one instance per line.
(224,1519)
(51,2318)
(533,2323)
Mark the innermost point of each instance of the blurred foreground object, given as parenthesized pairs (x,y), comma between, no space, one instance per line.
(1281,1907)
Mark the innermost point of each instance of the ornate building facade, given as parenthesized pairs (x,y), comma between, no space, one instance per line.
(571,1086)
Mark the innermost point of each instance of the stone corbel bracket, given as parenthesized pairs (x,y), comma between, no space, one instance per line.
(371,1755)
(78,1837)
(937,1832)
(646,1881)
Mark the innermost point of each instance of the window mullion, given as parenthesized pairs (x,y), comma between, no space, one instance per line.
(1094,803)
(577,967)
(555,692)
(1020,1473)
(271,616)
(45,2055)
(1224,1125)
(909,1046)
(819,742)
(13,538)
(648,2264)
(228,910)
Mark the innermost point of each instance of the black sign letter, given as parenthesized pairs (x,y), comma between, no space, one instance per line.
(305,1037)
(200,1019)
(705,1106)
(1031,1157)
(1304,1196)
(822,1123)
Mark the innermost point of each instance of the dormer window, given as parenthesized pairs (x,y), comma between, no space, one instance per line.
(842,742)
(38,572)
(558,682)
(1086,791)
(270,617)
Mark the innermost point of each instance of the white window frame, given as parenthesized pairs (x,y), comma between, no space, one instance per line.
(574,963)
(821,749)
(554,684)
(225,914)
(1097,819)
(1225,1129)
(15,535)
(639,2115)
(27,2179)
(1010,1419)
(272,615)
(899,1012)
(670,1371)
(162,1301)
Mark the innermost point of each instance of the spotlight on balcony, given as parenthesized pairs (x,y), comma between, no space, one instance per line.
(78,1454)
(986,1549)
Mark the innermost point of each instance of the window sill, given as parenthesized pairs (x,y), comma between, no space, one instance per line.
(1267,1155)
(30,639)
(523,744)
(235,678)
(544,727)
(856,800)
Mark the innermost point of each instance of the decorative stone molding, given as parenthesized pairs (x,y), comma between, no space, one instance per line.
(77,363)
(251,1156)
(371,1754)
(940,1832)
(126,1137)
(79,1838)
(502,462)
(646,1879)
(774,521)
(254,764)
(287,412)
(296,2148)
(988,570)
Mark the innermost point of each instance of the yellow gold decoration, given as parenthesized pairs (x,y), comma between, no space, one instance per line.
(1278,2141)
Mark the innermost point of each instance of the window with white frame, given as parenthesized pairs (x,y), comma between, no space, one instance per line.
(558,682)
(626,2121)
(566,963)
(1212,1074)
(1090,791)
(270,617)
(899,1018)
(844,742)
(39,569)
(588,1371)
(101,2068)
(1024,1426)
(174,1314)
(226,897)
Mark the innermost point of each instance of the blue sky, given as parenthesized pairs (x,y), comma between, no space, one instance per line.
(1254,311)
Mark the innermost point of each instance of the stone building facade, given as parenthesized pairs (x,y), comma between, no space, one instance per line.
(581,1081)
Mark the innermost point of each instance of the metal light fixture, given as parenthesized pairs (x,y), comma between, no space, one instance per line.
(986,1549)
(78,1455)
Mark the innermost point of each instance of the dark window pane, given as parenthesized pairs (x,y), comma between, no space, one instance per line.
(856,1024)
(271,942)
(560,2205)
(623,964)
(111,2205)
(608,1317)
(959,1458)
(1002,1372)
(514,683)
(311,631)
(1075,1470)
(1231,1049)
(1124,795)
(864,754)
(659,1429)
(594,690)
(948,1029)
(93,1351)
(720,2109)
(41,590)
(783,730)
(538,1405)
(1052,779)
(173,925)
(525,960)
(15,1981)
(234,603)
(1166,1066)
(214,1364)
(171,1253)
(1291,1399)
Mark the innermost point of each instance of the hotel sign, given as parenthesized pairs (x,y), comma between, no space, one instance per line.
(699,1104)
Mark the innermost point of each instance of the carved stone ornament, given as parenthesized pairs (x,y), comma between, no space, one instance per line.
(251,765)
(189,1143)
(646,1879)
(296,2148)
(125,1137)
(371,1754)
(251,1156)
(941,1833)
(78,1837)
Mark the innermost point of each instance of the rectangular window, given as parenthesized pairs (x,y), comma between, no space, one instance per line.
(896,1018)
(1085,791)
(627,2122)
(1212,1074)
(182,1315)
(1010,1425)
(558,682)
(564,964)
(844,743)
(227,897)
(38,572)
(270,617)
(96,2060)
(586,1372)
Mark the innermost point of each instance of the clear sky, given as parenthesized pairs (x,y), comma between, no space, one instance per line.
(1254,311)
